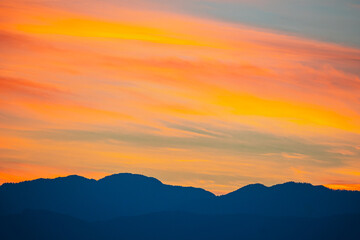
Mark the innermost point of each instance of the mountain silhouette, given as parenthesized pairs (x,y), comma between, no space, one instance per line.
(131,194)
(116,195)
(287,199)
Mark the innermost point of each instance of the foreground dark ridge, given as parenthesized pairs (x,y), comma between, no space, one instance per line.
(45,225)
(131,194)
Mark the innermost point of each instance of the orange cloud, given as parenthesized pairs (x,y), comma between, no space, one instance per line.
(349,187)
(157,91)
(22,86)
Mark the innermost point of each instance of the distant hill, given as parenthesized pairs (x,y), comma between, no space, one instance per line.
(130,195)
(43,225)
(116,195)
(287,199)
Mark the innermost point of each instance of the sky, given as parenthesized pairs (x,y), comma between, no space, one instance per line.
(205,93)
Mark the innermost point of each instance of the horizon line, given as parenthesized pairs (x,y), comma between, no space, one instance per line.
(335,186)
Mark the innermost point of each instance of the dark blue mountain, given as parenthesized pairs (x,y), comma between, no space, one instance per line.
(131,195)
(116,195)
(288,199)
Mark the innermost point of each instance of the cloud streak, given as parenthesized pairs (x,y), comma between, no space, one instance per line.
(117,88)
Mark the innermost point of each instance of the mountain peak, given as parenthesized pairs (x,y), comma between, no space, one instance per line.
(248,188)
(292,183)
(298,186)
(129,177)
(72,178)
(254,186)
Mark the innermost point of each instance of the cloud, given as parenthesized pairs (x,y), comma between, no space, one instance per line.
(26,87)
(217,140)
(113,88)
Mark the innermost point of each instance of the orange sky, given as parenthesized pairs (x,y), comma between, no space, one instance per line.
(190,100)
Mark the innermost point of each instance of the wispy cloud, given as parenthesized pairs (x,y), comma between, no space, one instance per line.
(119,87)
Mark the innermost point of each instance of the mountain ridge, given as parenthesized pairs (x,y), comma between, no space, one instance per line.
(75,176)
(127,194)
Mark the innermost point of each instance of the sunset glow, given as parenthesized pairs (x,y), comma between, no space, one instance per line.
(98,87)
